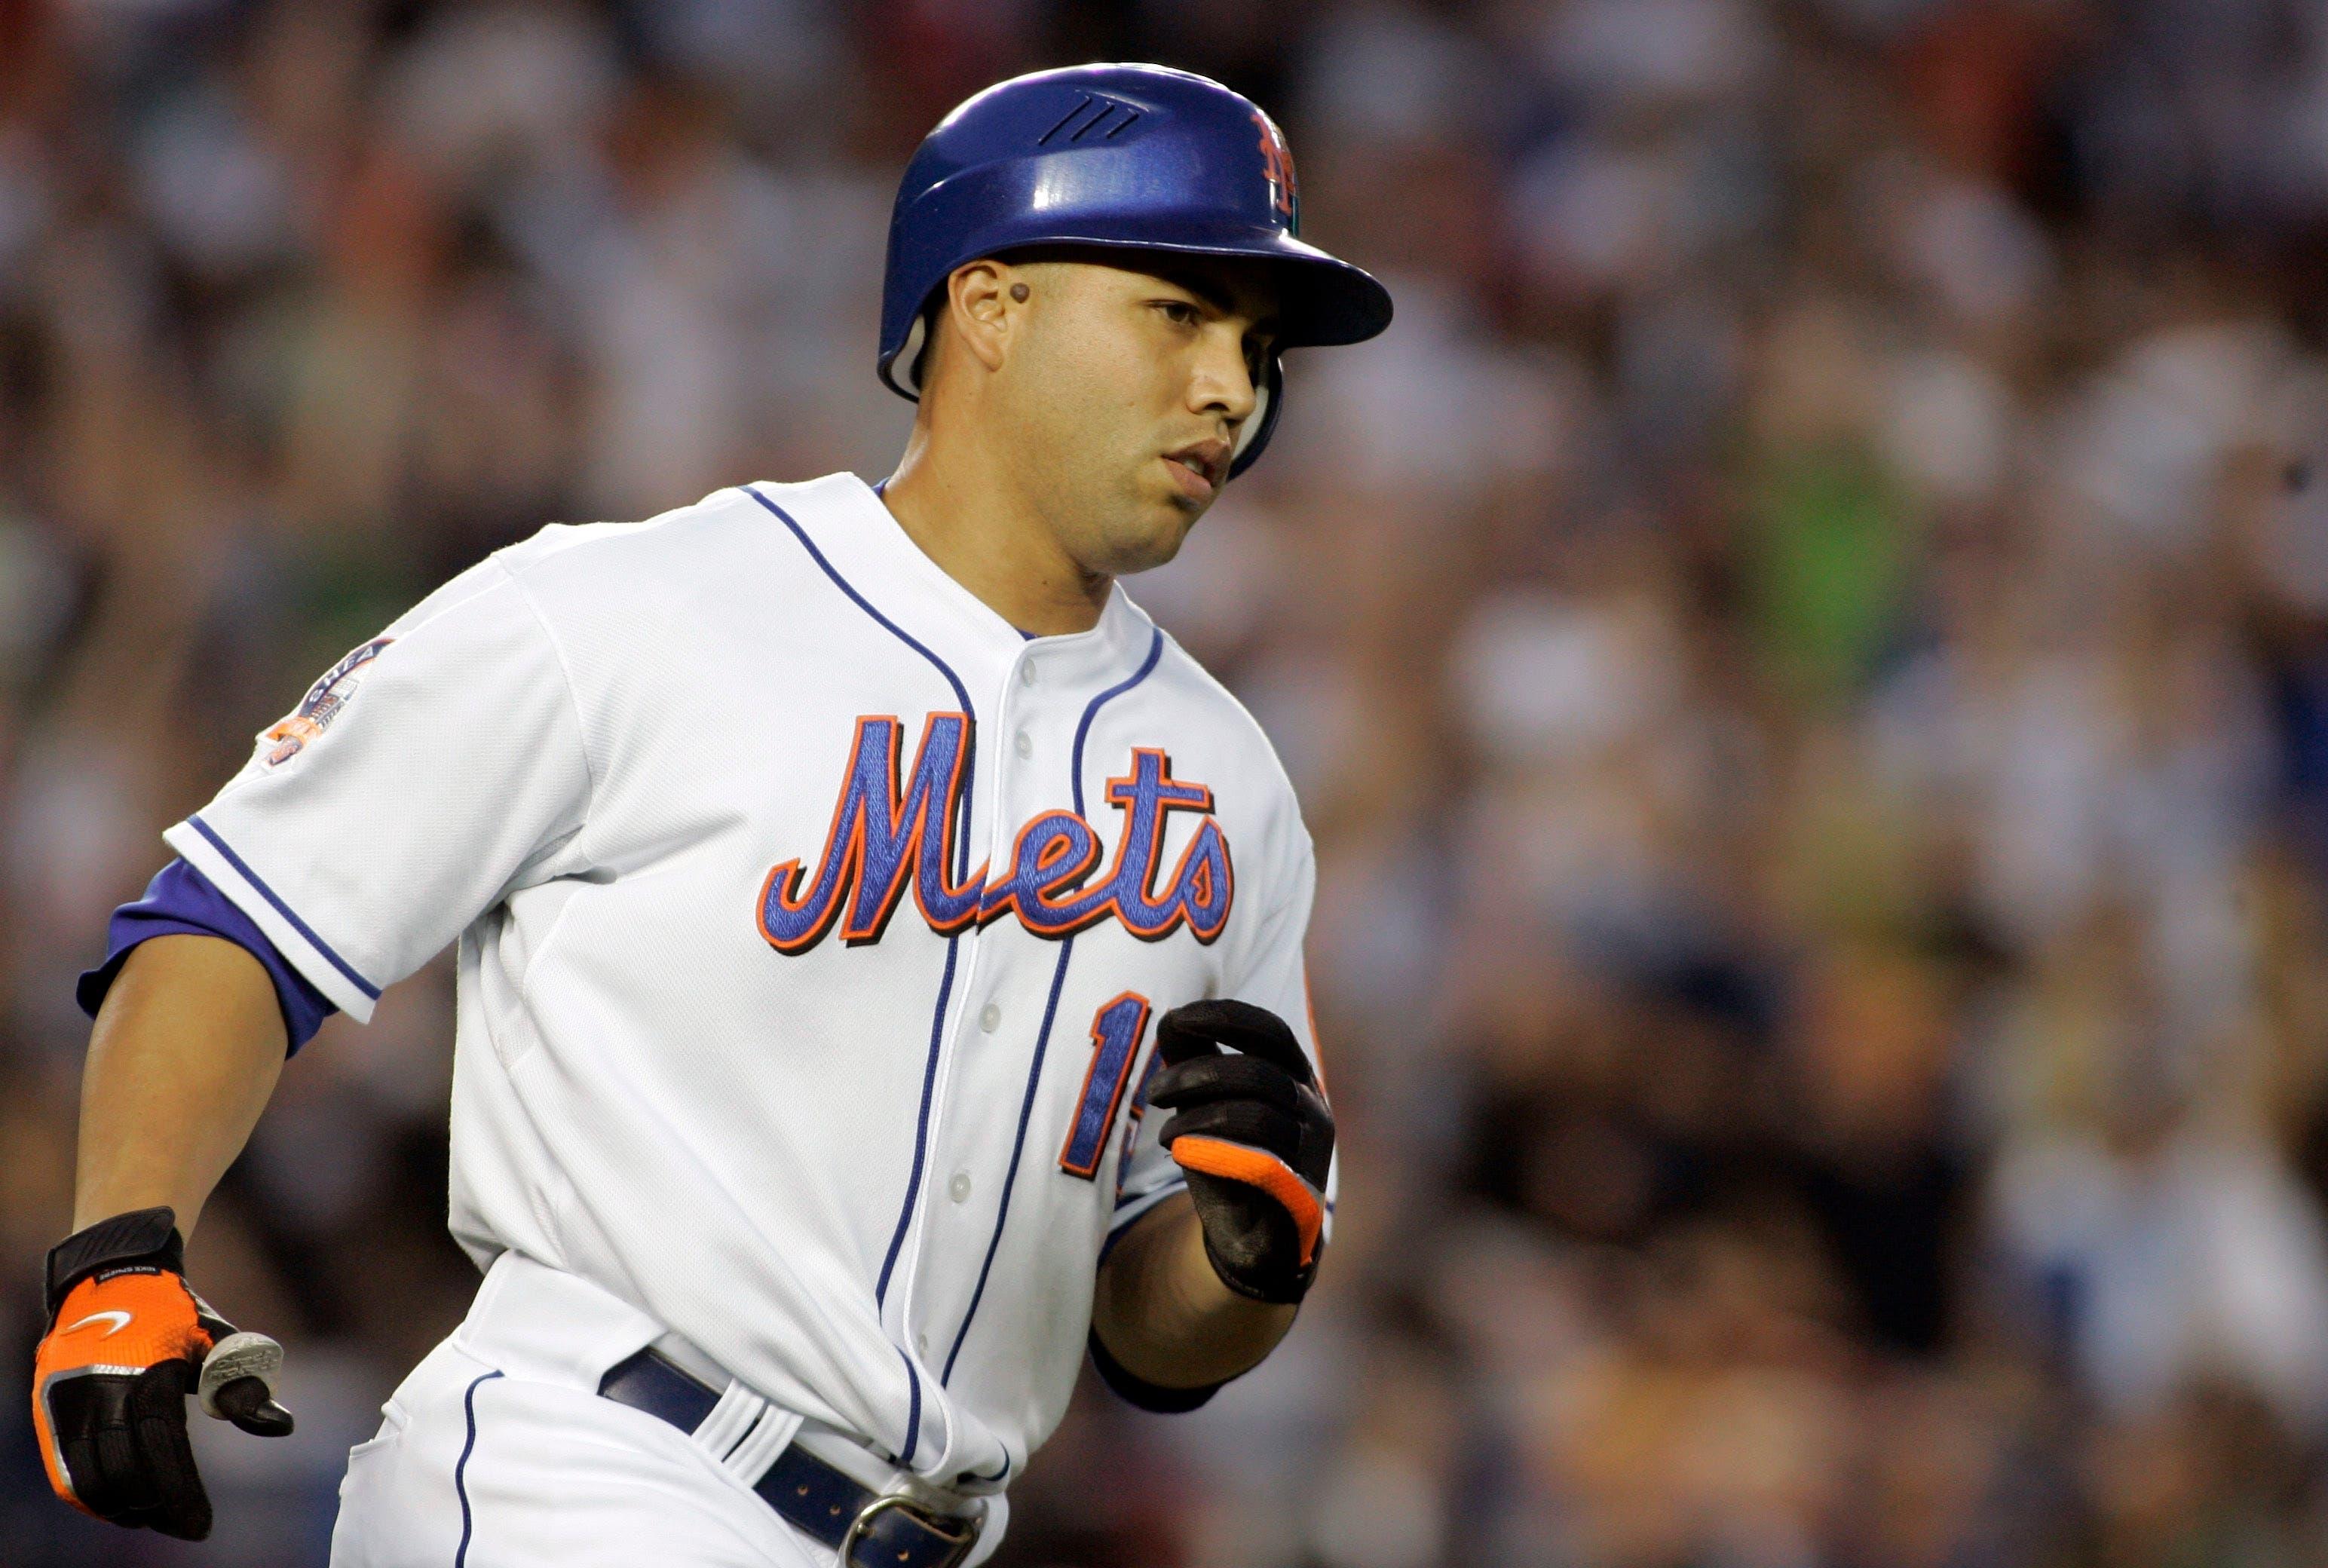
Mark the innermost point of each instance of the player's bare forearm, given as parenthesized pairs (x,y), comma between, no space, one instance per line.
(1163,1313)
(185,1051)
(183,1059)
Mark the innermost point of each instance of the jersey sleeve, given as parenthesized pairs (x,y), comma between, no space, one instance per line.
(181,901)
(431,772)
(1274,974)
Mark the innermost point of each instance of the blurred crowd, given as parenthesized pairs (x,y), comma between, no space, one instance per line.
(1804,650)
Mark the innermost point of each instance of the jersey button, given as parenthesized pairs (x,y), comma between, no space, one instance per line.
(1024,746)
(958,1188)
(1027,673)
(991,1018)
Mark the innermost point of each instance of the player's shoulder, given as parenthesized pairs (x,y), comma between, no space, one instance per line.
(729,527)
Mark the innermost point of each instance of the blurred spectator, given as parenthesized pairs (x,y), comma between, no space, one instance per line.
(1804,650)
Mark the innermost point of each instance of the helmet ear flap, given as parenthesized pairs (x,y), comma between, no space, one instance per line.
(903,369)
(1262,422)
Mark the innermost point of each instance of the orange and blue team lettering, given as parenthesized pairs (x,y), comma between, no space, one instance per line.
(1115,1035)
(1056,851)
(886,835)
(880,839)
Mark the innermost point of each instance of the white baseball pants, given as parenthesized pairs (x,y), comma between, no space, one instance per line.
(498,1452)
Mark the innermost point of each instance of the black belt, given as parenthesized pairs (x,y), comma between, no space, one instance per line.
(869,1529)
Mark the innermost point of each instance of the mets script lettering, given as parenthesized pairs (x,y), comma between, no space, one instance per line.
(890,832)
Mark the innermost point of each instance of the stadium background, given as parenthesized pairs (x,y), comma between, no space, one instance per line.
(1805,649)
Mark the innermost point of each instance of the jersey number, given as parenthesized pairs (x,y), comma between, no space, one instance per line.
(1115,1032)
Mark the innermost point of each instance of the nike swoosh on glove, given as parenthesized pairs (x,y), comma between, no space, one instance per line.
(1256,1139)
(128,1342)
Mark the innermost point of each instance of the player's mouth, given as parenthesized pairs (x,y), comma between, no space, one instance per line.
(1199,468)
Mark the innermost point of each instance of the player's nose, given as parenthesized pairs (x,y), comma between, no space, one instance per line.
(1222,383)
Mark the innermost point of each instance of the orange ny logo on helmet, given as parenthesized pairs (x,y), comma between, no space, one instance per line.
(1277,168)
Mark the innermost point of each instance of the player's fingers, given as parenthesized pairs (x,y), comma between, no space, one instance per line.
(63,1419)
(1306,1142)
(157,1412)
(122,1486)
(1222,1078)
(1179,1040)
(1261,1173)
(1199,1028)
(236,1383)
(1315,1153)
(78,1454)
(1236,1121)
(247,1403)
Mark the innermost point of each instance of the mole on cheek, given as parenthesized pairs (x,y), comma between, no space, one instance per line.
(1019,292)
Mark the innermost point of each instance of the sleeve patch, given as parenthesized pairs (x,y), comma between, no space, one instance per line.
(324,701)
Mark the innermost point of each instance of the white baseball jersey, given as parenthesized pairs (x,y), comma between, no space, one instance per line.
(813,924)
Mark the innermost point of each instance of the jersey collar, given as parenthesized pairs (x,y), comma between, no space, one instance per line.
(1119,642)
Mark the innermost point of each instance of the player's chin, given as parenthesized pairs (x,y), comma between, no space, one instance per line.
(1151,537)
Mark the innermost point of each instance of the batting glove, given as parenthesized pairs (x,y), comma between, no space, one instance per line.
(1255,1136)
(128,1341)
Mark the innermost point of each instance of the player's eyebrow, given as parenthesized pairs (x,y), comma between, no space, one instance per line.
(1210,291)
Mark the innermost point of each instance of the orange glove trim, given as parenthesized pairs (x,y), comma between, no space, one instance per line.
(123,1325)
(1237,1162)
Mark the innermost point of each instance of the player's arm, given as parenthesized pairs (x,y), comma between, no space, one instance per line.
(184,1055)
(428,772)
(1203,1286)
(1163,1313)
(185,1051)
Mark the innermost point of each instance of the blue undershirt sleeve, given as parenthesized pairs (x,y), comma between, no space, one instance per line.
(181,901)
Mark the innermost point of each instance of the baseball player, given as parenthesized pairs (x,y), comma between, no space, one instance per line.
(879,946)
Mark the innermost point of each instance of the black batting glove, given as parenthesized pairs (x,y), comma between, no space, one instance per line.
(1256,1139)
(128,1342)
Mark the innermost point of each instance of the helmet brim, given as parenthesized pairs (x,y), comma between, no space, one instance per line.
(1323,301)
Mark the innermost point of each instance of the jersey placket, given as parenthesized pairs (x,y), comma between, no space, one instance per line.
(1046,691)
(1001,768)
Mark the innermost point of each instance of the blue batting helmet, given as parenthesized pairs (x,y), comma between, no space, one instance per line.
(1137,156)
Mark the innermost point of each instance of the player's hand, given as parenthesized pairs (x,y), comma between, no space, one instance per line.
(128,1342)
(1255,1138)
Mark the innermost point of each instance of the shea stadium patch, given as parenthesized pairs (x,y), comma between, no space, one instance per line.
(323,702)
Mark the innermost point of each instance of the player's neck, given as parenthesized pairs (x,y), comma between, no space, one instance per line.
(972,524)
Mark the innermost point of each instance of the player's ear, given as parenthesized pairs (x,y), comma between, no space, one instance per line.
(984,308)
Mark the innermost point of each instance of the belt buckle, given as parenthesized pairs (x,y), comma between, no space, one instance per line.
(959,1545)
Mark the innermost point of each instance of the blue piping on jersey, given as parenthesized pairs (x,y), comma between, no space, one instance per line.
(461,1467)
(1011,1176)
(181,901)
(1090,712)
(921,1126)
(908,638)
(912,1409)
(284,910)
(1050,1010)
(945,986)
